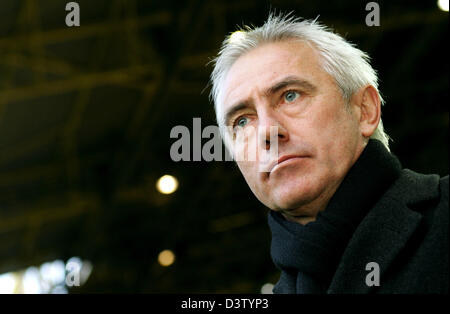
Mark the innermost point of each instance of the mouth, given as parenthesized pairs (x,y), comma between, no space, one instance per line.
(284,160)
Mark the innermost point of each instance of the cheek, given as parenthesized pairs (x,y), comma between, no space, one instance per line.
(341,143)
(333,132)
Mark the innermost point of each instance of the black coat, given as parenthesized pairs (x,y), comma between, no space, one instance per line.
(406,233)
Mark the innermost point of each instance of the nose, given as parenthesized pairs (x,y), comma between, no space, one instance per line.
(270,123)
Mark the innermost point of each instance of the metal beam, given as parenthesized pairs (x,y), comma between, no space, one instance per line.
(78,82)
(27,146)
(71,34)
(38,64)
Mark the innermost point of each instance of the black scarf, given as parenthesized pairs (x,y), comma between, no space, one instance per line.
(308,255)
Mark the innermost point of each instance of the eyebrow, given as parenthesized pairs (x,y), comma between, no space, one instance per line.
(287,81)
(290,80)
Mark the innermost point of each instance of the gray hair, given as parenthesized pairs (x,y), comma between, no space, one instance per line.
(348,65)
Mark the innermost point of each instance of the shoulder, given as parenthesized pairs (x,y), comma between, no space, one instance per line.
(412,187)
(424,194)
(444,189)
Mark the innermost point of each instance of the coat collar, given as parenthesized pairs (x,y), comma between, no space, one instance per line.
(384,232)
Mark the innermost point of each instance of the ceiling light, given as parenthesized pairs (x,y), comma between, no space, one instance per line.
(167,184)
(443,5)
(166,258)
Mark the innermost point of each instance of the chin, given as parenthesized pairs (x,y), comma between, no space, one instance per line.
(293,195)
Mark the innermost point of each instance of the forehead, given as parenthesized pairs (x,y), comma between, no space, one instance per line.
(260,67)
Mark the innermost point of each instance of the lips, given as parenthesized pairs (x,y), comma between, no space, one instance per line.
(283,159)
(286,157)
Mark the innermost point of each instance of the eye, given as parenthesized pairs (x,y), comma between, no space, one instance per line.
(291,95)
(241,122)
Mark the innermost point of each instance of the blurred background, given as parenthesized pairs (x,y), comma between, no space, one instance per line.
(85,118)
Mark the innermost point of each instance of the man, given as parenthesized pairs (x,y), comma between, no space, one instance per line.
(345,217)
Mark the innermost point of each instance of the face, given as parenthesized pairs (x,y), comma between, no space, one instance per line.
(282,85)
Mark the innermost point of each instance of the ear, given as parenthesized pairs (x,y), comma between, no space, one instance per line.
(368,102)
